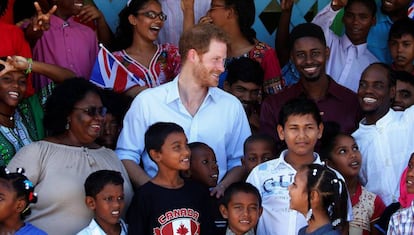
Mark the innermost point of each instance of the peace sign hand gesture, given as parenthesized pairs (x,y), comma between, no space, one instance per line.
(42,21)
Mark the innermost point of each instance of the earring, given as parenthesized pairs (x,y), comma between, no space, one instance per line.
(67,126)
(309,214)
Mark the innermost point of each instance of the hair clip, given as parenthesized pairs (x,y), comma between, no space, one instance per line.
(309,214)
(330,210)
(336,222)
(336,181)
(6,171)
(314,172)
(20,170)
(28,184)
(32,196)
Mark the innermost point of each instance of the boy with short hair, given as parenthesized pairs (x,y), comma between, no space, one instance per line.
(104,192)
(401,45)
(258,148)
(203,165)
(300,126)
(242,206)
(404,95)
(204,170)
(167,204)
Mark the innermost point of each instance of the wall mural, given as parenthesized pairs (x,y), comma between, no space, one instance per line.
(268,13)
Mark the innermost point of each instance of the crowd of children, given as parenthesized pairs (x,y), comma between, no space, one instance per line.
(189,125)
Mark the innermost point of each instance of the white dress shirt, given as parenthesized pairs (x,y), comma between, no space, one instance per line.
(385,147)
(94,229)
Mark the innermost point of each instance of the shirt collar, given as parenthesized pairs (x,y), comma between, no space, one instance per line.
(173,94)
(59,22)
(381,17)
(334,89)
(229,232)
(316,158)
(383,121)
(347,44)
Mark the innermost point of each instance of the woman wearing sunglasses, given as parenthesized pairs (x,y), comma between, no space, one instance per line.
(154,64)
(59,164)
(20,117)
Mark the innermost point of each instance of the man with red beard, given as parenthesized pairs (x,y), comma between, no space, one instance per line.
(309,53)
(384,136)
(192,100)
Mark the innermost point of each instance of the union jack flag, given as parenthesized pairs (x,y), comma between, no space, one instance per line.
(108,72)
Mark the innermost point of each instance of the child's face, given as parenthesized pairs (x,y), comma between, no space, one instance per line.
(144,26)
(256,152)
(9,203)
(174,153)
(204,167)
(301,132)
(242,212)
(108,205)
(410,175)
(298,193)
(402,50)
(345,156)
(109,132)
(358,20)
(404,96)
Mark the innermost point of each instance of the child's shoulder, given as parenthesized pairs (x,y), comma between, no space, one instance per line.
(28,228)
(188,186)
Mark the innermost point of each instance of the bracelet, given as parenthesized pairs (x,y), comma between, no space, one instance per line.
(29,68)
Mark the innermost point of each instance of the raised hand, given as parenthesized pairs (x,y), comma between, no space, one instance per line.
(205,20)
(338,4)
(286,5)
(14,63)
(42,21)
(187,5)
(89,13)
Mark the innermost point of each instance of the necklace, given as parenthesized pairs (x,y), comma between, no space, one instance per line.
(11,118)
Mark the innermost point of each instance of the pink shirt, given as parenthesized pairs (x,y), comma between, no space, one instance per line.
(68,44)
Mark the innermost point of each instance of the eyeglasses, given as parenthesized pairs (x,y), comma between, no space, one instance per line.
(213,7)
(93,111)
(153,15)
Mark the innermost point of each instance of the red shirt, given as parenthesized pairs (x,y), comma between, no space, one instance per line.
(12,42)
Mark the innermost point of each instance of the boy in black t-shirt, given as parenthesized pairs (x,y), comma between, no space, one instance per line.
(167,204)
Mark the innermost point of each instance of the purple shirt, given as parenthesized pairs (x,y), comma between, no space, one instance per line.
(339,105)
(68,44)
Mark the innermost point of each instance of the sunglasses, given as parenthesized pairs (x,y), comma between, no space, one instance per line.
(153,15)
(94,111)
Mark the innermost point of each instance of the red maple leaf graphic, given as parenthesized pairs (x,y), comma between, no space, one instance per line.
(182,230)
